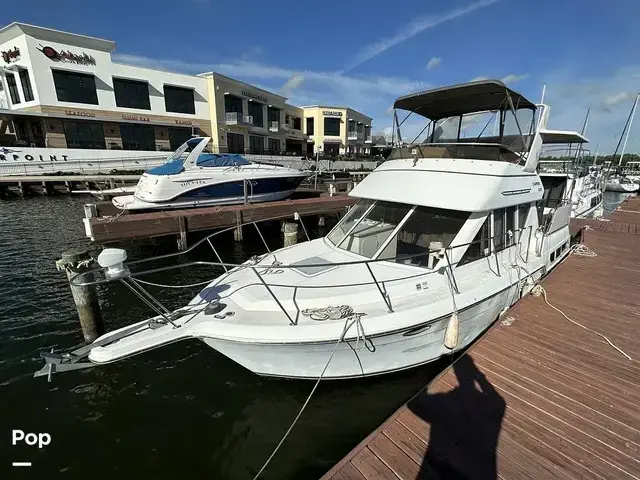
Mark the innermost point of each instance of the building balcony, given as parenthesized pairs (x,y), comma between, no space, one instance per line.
(274,126)
(368,139)
(285,127)
(236,118)
(358,136)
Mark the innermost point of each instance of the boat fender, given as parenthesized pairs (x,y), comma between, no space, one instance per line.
(452,332)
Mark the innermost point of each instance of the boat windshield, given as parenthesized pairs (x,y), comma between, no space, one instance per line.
(187,147)
(389,230)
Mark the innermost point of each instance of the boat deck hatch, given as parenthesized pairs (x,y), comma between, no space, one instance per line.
(324,265)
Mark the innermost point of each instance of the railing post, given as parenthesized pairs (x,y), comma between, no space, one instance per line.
(385,295)
(272,295)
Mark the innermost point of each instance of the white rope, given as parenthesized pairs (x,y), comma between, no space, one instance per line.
(328,313)
(538,290)
(161,285)
(582,250)
(346,328)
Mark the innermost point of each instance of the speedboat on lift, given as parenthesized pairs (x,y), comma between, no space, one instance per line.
(446,234)
(192,178)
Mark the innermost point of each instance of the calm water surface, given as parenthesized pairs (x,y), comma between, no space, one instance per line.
(182,411)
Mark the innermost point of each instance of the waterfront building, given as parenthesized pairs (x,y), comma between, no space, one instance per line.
(62,90)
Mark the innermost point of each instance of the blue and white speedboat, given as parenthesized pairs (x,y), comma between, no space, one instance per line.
(192,178)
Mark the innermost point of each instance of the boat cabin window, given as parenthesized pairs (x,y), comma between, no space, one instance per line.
(499,229)
(510,218)
(366,230)
(373,228)
(427,230)
(480,247)
(523,215)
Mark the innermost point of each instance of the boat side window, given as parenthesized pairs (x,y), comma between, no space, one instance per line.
(523,215)
(374,228)
(350,219)
(426,230)
(498,229)
(480,247)
(510,225)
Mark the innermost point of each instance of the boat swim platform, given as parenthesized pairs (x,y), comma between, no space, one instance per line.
(537,396)
(105,224)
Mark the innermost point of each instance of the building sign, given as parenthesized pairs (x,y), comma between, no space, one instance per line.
(254,96)
(184,122)
(67,56)
(11,55)
(331,113)
(136,118)
(79,113)
(7,154)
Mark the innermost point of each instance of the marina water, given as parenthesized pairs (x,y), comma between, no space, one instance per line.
(183,411)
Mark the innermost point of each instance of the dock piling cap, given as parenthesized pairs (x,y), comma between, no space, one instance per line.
(113,260)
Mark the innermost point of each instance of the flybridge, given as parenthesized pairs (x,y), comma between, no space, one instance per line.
(482,120)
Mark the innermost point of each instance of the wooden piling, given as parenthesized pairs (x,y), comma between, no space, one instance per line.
(74,261)
(182,236)
(237,233)
(290,233)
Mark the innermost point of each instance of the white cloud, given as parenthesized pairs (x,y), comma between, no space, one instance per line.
(434,62)
(569,94)
(411,29)
(512,78)
(479,79)
(290,85)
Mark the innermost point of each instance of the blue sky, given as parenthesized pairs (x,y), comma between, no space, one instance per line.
(366,54)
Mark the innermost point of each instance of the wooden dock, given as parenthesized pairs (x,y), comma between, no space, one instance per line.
(537,397)
(111,227)
(23,186)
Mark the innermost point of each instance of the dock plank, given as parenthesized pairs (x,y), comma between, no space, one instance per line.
(569,400)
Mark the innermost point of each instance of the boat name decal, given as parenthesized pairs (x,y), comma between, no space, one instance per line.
(10,55)
(254,96)
(67,56)
(516,192)
(191,182)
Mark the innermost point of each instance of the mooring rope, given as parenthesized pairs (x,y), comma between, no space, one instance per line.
(538,290)
(161,285)
(346,328)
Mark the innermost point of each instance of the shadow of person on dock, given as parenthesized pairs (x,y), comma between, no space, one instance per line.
(464,425)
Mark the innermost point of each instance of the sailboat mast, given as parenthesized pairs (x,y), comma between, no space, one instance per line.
(633,112)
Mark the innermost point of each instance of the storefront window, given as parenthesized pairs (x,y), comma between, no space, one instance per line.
(179,100)
(232,104)
(75,87)
(332,127)
(274,145)
(310,126)
(137,137)
(84,135)
(256,144)
(235,143)
(255,110)
(131,94)
(297,123)
(177,136)
(13,88)
(26,84)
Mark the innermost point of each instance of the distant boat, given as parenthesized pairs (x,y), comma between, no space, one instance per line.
(620,183)
(192,178)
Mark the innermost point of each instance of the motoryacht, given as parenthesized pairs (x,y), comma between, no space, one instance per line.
(194,178)
(622,184)
(445,236)
(574,182)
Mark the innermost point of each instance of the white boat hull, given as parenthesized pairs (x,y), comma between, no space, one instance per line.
(131,203)
(381,354)
(622,187)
